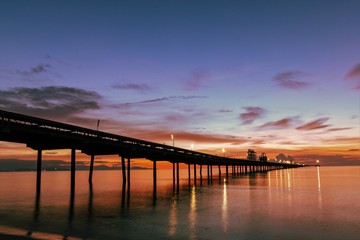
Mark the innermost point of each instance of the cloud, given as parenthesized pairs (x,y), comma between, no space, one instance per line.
(197,80)
(162,99)
(52,101)
(354,74)
(283,123)
(354,71)
(38,69)
(290,80)
(61,62)
(225,110)
(251,114)
(175,118)
(338,129)
(132,86)
(206,138)
(314,125)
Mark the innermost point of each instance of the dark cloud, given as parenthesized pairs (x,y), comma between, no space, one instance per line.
(133,86)
(225,111)
(52,101)
(354,71)
(162,99)
(314,125)
(283,123)
(251,114)
(196,80)
(40,68)
(290,80)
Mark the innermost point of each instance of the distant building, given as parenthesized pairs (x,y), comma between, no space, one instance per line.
(251,155)
(263,157)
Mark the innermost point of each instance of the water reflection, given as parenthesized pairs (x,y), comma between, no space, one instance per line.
(319,186)
(224,208)
(192,213)
(101,210)
(173,218)
(318,178)
(36,215)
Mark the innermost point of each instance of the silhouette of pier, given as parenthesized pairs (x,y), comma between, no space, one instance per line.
(42,134)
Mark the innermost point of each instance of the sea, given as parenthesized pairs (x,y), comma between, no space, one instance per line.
(301,203)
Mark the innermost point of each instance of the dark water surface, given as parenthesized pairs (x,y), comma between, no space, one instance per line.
(304,203)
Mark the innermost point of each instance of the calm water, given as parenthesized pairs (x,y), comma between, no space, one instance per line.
(305,203)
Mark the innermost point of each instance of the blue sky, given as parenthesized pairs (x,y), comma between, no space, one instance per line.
(276,76)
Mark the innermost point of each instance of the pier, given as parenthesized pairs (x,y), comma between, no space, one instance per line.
(42,134)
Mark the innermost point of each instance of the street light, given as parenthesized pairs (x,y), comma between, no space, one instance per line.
(223,150)
(172,137)
(192,147)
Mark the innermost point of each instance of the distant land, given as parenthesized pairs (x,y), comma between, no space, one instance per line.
(17,165)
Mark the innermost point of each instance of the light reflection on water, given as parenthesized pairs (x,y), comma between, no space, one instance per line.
(306,203)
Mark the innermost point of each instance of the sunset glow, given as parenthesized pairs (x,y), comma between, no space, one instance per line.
(216,76)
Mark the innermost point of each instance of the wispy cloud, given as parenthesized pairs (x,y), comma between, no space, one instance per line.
(338,129)
(38,69)
(61,62)
(196,80)
(162,100)
(51,101)
(354,71)
(251,114)
(140,87)
(354,74)
(282,123)
(291,80)
(314,125)
(223,110)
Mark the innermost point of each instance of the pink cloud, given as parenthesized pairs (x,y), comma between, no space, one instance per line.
(314,125)
(197,80)
(338,129)
(354,74)
(290,79)
(251,114)
(282,123)
(354,71)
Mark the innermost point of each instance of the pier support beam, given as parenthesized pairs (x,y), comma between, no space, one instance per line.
(123,170)
(91,168)
(38,172)
(189,177)
(128,173)
(154,175)
(219,172)
(72,181)
(177,176)
(173,175)
(194,174)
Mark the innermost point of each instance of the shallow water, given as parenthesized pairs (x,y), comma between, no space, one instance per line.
(303,203)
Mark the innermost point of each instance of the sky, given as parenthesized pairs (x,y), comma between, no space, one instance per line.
(274,76)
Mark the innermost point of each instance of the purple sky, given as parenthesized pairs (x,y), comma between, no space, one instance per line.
(280,76)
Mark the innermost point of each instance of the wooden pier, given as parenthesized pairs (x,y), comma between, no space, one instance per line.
(41,134)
